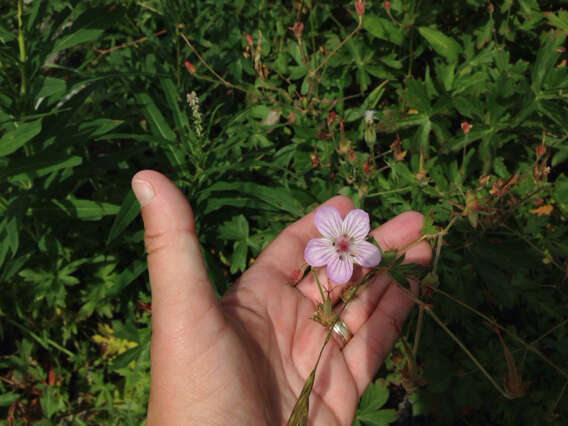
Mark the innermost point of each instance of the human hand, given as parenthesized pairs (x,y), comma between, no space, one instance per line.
(243,360)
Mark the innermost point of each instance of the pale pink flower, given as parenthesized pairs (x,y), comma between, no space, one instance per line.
(343,243)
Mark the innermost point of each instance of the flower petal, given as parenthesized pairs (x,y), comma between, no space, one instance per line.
(356,224)
(340,269)
(328,222)
(366,254)
(319,252)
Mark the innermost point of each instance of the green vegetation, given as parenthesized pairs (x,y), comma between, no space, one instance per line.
(259,111)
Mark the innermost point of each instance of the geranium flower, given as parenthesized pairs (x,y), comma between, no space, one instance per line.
(343,243)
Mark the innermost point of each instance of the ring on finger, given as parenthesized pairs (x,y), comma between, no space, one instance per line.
(342,333)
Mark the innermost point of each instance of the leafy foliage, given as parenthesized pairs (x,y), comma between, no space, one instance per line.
(468,126)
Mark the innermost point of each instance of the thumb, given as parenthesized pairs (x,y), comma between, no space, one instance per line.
(185,310)
(181,292)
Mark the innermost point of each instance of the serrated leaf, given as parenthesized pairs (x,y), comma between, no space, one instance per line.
(428,227)
(235,229)
(374,397)
(559,20)
(383,29)
(441,43)
(378,418)
(18,136)
(239,257)
(546,57)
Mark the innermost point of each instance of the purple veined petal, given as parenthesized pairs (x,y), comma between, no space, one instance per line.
(340,269)
(328,222)
(319,252)
(356,224)
(366,254)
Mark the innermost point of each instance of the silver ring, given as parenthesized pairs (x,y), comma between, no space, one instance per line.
(342,332)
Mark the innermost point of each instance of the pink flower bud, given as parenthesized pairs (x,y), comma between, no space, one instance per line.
(387,6)
(465,127)
(249,39)
(360,7)
(540,149)
(189,67)
(330,118)
(297,29)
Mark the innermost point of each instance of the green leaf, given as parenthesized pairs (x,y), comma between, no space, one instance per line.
(276,197)
(128,275)
(98,127)
(19,136)
(129,209)
(50,401)
(441,43)
(383,29)
(235,229)
(156,120)
(83,35)
(374,397)
(172,98)
(428,227)
(85,209)
(239,257)
(87,28)
(561,193)
(378,418)
(559,20)
(546,57)
(52,87)
(39,165)
(8,398)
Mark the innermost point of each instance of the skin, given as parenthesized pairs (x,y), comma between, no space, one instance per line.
(243,360)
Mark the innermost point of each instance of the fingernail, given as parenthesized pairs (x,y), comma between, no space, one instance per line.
(143,191)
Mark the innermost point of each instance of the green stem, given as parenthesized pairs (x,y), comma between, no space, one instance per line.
(466,350)
(500,327)
(392,191)
(22,49)
(319,286)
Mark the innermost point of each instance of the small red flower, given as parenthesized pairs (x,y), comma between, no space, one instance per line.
(387,5)
(189,67)
(465,127)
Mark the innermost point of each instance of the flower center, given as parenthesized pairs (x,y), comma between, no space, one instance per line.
(342,245)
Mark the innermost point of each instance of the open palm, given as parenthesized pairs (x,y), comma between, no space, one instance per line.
(243,360)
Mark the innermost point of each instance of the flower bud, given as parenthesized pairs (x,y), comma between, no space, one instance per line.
(360,7)
(189,67)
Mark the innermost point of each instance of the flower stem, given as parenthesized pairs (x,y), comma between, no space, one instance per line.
(22,49)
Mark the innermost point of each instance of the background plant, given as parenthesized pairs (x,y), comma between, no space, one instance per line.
(468,127)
